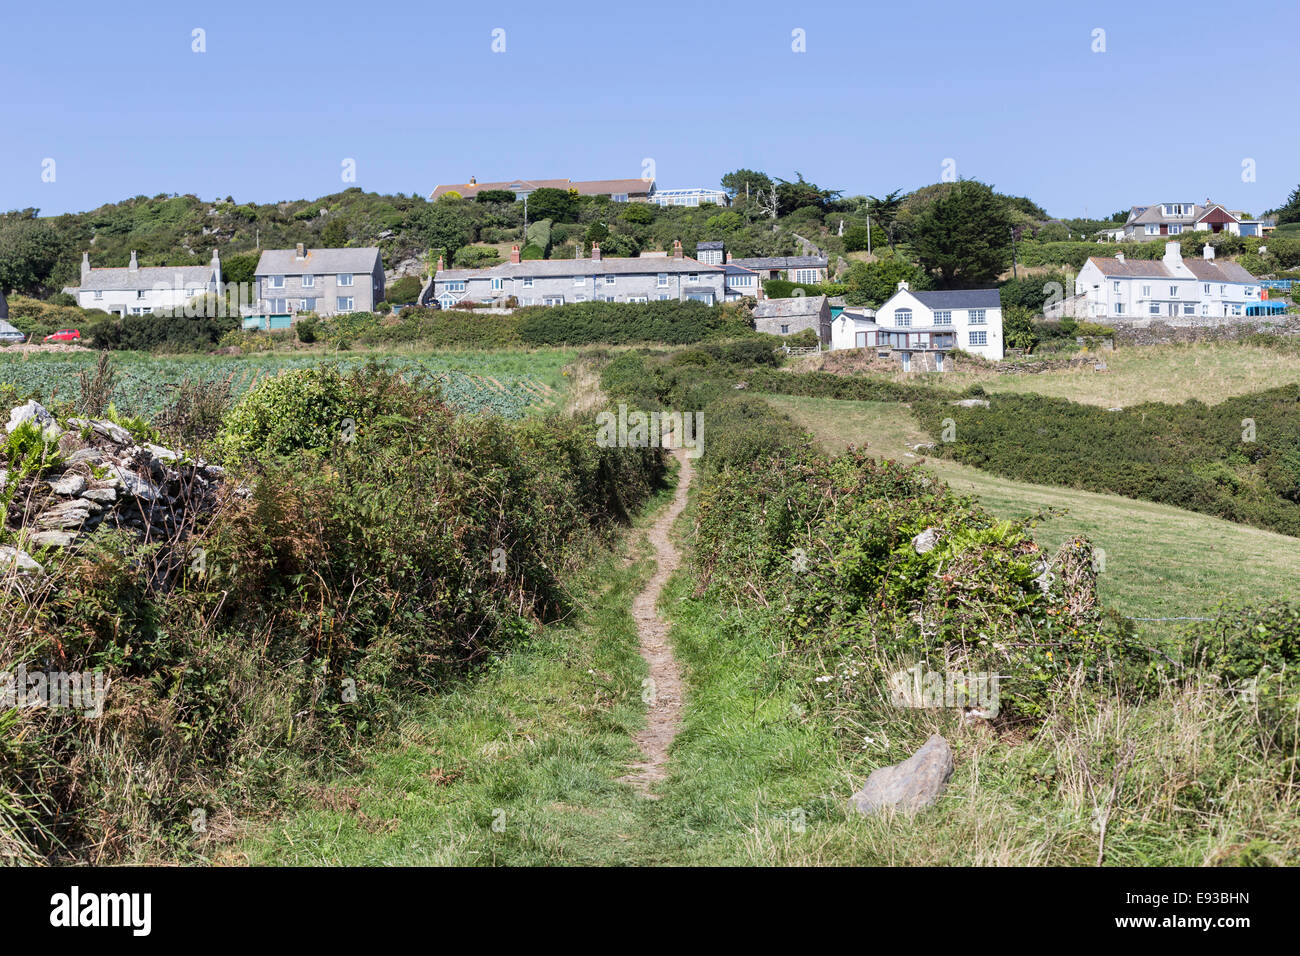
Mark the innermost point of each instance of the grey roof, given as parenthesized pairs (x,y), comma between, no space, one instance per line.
(1218,271)
(146,278)
(1204,269)
(545,268)
(285,262)
(732,269)
(788,308)
(961,299)
(709,245)
(784,262)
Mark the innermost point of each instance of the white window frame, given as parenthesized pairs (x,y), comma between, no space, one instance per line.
(903,318)
(977,337)
(528,282)
(943,317)
(345,303)
(662,280)
(497,283)
(609,280)
(308,281)
(346,279)
(579,280)
(275,282)
(977,317)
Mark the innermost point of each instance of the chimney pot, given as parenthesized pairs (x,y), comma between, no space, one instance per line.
(135,263)
(1208,251)
(514,255)
(439,264)
(595,251)
(677,249)
(302,250)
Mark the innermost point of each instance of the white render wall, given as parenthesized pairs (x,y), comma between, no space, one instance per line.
(923,321)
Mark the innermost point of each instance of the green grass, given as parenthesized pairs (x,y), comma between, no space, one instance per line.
(1160,561)
(512,382)
(1209,371)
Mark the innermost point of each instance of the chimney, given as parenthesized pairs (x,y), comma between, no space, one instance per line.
(135,264)
(595,252)
(677,248)
(1208,251)
(302,251)
(1173,254)
(85,266)
(216,266)
(514,254)
(903,286)
(439,269)
(473,181)
(728,255)
(1119,257)
(577,252)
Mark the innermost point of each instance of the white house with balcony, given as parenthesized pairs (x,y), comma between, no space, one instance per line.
(1170,289)
(921,328)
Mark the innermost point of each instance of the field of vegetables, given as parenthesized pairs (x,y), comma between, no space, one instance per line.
(508,383)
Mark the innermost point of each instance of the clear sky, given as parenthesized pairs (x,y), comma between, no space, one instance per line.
(413,93)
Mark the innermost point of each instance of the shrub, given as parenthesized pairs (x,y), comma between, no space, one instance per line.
(407,289)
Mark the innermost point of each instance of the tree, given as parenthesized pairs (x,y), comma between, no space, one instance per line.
(639,214)
(29,250)
(441,225)
(746,182)
(871,283)
(964,235)
(800,193)
(1018,328)
(495,195)
(559,205)
(884,212)
(1290,212)
(334,235)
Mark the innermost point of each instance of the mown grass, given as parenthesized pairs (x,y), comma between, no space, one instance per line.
(1160,561)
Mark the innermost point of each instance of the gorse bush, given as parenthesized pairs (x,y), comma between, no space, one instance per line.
(1235,460)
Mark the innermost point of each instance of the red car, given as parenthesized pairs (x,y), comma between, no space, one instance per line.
(64,335)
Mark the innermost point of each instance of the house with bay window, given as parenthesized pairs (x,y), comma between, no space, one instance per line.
(645,278)
(1149,223)
(324,281)
(919,329)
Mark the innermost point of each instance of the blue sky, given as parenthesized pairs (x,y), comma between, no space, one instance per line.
(883,95)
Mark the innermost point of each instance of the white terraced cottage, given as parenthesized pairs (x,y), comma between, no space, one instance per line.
(1138,291)
(139,291)
(925,326)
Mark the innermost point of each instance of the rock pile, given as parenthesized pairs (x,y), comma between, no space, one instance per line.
(104,478)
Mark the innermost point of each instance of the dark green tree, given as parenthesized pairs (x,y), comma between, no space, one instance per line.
(964,235)
(29,250)
(558,205)
(884,213)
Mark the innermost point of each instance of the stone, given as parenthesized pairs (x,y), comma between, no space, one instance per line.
(73,516)
(925,541)
(53,539)
(103,496)
(68,485)
(972,403)
(12,559)
(34,411)
(114,433)
(89,455)
(909,786)
(134,485)
(165,455)
(4,478)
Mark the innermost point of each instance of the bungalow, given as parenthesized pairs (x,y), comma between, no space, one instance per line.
(619,190)
(596,279)
(793,315)
(805,270)
(139,291)
(925,326)
(324,281)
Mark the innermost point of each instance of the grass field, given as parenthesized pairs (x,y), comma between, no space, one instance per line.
(1160,561)
(1207,371)
(510,382)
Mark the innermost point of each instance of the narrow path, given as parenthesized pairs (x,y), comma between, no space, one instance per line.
(662,689)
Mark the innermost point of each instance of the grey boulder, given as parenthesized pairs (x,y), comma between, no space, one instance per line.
(909,786)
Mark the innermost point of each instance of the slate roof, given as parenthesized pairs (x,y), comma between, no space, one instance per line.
(146,278)
(783,262)
(551,268)
(789,308)
(1204,269)
(285,262)
(961,299)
